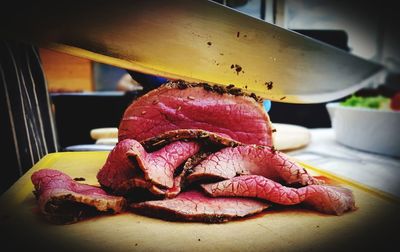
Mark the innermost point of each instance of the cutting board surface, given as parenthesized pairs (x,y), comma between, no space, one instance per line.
(288,229)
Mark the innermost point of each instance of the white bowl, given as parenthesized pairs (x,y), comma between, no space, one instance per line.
(366,129)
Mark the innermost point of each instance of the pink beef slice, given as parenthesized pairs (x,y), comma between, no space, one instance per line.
(140,182)
(211,138)
(325,198)
(63,200)
(129,165)
(179,105)
(117,168)
(195,206)
(251,160)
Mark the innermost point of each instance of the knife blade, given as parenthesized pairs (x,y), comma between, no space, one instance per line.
(195,41)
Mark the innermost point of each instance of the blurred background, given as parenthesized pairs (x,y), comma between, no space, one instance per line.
(365,29)
(85,95)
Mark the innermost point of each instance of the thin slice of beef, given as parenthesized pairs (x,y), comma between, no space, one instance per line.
(194,160)
(117,168)
(203,136)
(179,105)
(129,165)
(129,186)
(195,206)
(180,177)
(326,199)
(159,166)
(63,200)
(250,159)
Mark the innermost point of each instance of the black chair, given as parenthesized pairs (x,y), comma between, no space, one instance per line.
(27,128)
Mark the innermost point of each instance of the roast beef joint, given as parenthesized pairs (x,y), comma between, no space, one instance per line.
(191,152)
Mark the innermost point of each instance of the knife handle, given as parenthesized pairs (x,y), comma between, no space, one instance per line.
(267,105)
(148,82)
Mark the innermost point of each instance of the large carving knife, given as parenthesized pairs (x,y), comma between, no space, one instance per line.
(195,40)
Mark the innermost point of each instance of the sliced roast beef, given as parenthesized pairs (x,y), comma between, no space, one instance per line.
(195,206)
(129,165)
(206,137)
(250,159)
(186,133)
(63,200)
(117,168)
(179,105)
(159,166)
(327,199)
(138,181)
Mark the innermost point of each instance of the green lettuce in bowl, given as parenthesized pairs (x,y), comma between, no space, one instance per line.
(374,102)
(366,126)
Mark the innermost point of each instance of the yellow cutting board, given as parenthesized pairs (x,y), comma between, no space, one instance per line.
(290,229)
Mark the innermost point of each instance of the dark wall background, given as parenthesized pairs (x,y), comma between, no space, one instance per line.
(76,114)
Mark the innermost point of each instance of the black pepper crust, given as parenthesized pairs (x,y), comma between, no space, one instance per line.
(206,137)
(169,215)
(219,89)
(64,209)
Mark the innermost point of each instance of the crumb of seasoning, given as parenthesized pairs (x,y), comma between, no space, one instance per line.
(317,226)
(284,97)
(155,102)
(136,244)
(218,89)
(238,68)
(144,112)
(209,43)
(273,130)
(235,91)
(190,97)
(273,149)
(269,85)
(221,54)
(199,239)
(181,85)
(237,34)
(245,87)
(79,179)
(207,87)
(245,36)
(232,66)
(179,108)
